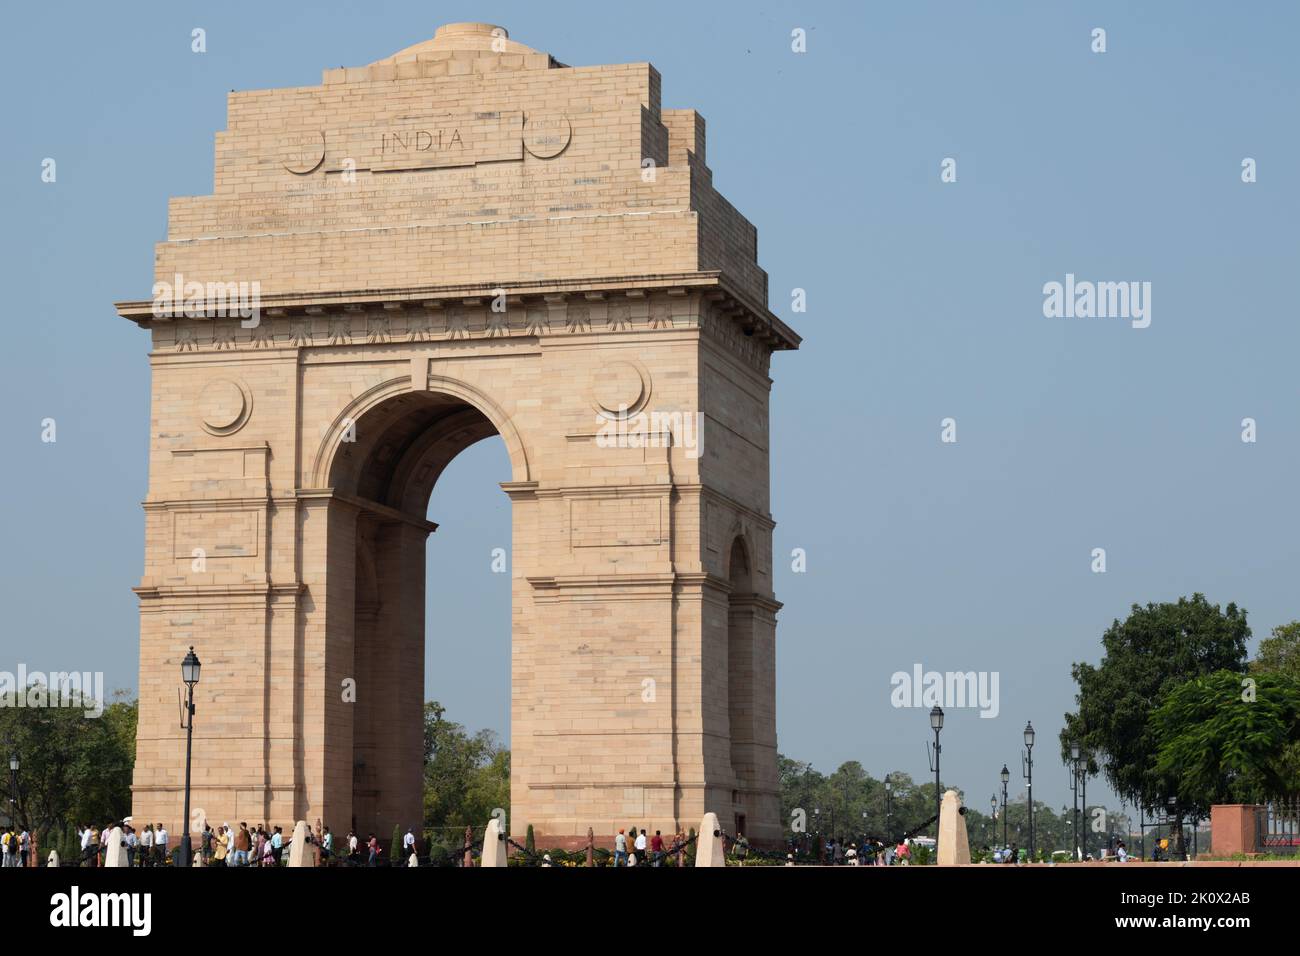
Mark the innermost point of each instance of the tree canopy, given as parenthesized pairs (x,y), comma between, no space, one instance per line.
(1223,735)
(1154,650)
(74,768)
(466,776)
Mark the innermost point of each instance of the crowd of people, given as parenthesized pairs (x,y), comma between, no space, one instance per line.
(638,847)
(866,852)
(151,845)
(16,845)
(263,845)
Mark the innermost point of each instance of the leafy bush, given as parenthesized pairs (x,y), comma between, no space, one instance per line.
(439,855)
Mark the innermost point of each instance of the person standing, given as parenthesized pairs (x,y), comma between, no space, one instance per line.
(657,848)
(327,847)
(640,844)
(620,848)
(408,843)
(373,846)
(146,845)
(131,843)
(352,847)
(679,841)
(277,845)
(92,846)
(741,847)
(243,843)
(205,845)
(160,845)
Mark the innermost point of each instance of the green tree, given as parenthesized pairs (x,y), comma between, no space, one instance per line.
(73,768)
(466,776)
(1152,652)
(1223,736)
(1279,653)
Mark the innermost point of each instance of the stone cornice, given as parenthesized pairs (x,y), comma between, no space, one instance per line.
(255,589)
(644,585)
(753,319)
(520,490)
(651,490)
(704,579)
(368,507)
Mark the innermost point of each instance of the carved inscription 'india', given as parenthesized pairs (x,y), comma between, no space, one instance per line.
(419,141)
(433,141)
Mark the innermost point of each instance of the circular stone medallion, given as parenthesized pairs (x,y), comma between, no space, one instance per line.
(301,153)
(546,135)
(619,389)
(224,406)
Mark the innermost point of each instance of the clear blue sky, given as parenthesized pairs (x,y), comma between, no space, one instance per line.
(924,301)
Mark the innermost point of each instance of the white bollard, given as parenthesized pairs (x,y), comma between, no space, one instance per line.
(708,845)
(954,848)
(301,853)
(114,852)
(494,845)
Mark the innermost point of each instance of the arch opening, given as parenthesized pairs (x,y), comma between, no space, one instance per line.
(385,475)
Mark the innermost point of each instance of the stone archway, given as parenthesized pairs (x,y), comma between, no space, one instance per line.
(498,264)
(382,467)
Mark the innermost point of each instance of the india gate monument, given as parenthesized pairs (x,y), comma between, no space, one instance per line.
(463,240)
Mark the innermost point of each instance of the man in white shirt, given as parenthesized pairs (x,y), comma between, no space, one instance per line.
(85,844)
(146,846)
(131,844)
(160,845)
(408,843)
(639,845)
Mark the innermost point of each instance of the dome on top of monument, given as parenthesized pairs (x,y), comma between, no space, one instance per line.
(455,38)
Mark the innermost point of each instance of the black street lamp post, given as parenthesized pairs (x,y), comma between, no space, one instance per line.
(1074,790)
(1028,768)
(13,788)
(936,724)
(190,674)
(1006,778)
(1084,823)
(889,788)
(1175,835)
